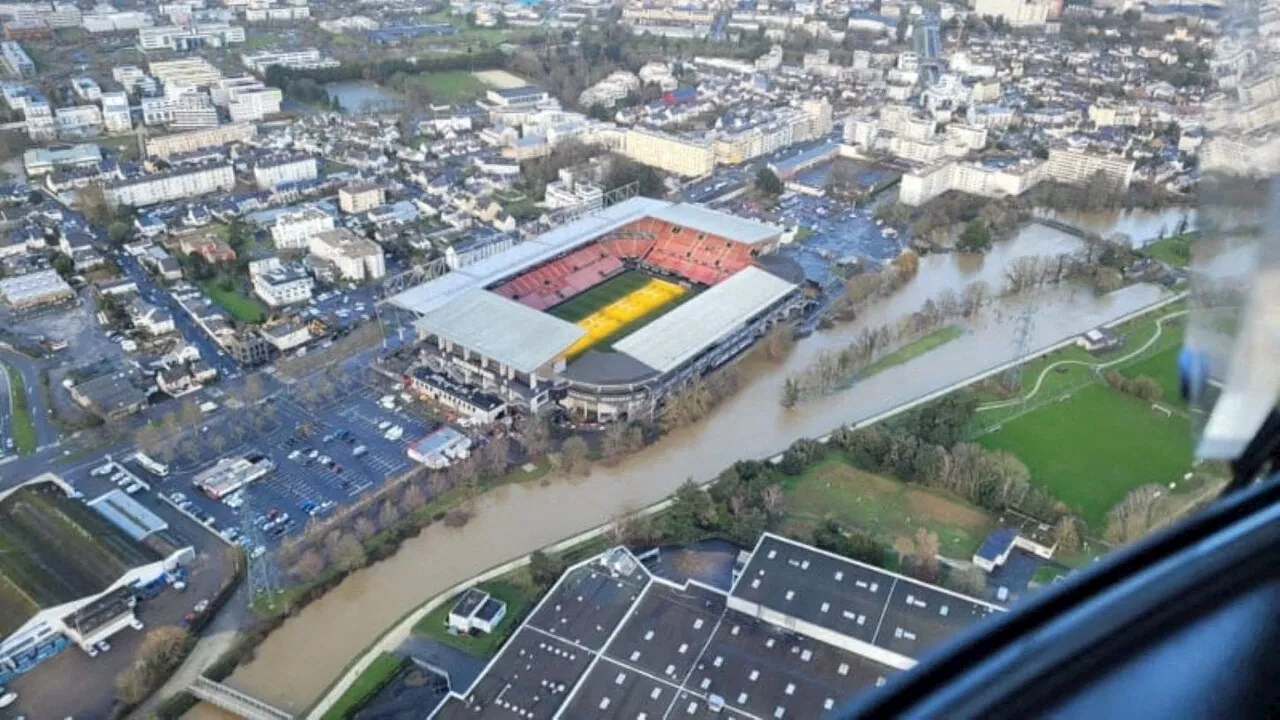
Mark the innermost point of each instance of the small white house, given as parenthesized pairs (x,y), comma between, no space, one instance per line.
(476,611)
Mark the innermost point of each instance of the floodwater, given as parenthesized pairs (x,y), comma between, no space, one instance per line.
(299,660)
(1142,226)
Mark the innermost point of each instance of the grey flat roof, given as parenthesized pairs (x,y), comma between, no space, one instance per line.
(128,514)
(501,329)
(432,294)
(727,226)
(669,341)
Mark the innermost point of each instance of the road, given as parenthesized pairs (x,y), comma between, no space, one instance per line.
(6,414)
(46,433)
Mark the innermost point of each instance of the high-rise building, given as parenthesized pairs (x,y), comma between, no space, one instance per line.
(681,156)
(1076,167)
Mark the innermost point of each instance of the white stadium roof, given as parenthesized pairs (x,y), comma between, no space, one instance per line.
(435,293)
(726,226)
(501,329)
(669,341)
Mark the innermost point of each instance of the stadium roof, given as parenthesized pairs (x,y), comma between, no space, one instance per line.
(55,550)
(501,329)
(669,341)
(726,226)
(434,293)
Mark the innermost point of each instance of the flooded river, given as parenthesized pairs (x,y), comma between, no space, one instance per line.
(303,657)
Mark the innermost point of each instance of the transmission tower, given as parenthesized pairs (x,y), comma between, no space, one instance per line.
(1023,326)
(261,570)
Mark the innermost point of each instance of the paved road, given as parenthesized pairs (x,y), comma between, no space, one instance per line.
(46,432)
(6,414)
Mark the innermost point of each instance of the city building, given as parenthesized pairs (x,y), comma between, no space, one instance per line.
(525,96)
(610,90)
(86,89)
(1017,13)
(16,59)
(166,145)
(279,284)
(258,62)
(185,72)
(476,405)
(360,197)
(110,396)
(27,30)
(38,118)
(184,110)
(230,474)
(42,287)
(78,121)
(42,161)
(355,258)
(1077,167)
(246,98)
(687,157)
(273,171)
(1112,115)
(116,116)
(187,39)
(476,611)
(440,449)
(288,335)
(105,19)
(70,572)
(569,191)
(172,185)
(292,230)
(995,180)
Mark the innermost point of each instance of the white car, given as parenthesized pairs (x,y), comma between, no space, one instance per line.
(136,624)
(8,699)
(259,552)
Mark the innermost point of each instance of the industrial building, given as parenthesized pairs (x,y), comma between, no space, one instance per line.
(70,570)
(793,633)
(231,474)
(42,287)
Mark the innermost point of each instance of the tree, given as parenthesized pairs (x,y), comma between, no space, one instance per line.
(1135,515)
(768,183)
(347,552)
(160,652)
(574,454)
(685,518)
(855,544)
(975,237)
(924,557)
(614,443)
(495,456)
(309,565)
(969,580)
(544,569)
(92,201)
(119,231)
(1066,534)
(365,528)
(253,390)
(779,341)
(908,262)
(535,435)
(790,392)
(414,496)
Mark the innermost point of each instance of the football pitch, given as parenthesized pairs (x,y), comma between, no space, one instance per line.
(616,308)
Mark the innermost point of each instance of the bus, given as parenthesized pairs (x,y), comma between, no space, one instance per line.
(156,468)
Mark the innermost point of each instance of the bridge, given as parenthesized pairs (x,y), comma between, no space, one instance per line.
(234,701)
(1056,224)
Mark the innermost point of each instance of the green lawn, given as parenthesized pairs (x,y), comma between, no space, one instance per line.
(882,506)
(1163,367)
(911,350)
(584,304)
(1174,251)
(518,598)
(242,307)
(1096,446)
(374,678)
(24,430)
(452,87)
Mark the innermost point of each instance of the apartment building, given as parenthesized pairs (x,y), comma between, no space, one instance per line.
(279,284)
(1110,115)
(984,91)
(271,172)
(360,197)
(923,185)
(786,127)
(16,59)
(186,72)
(184,111)
(246,98)
(294,230)
(965,137)
(293,59)
(677,155)
(187,39)
(172,185)
(354,257)
(78,120)
(1018,13)
(107,20)
(1077,167)
(116,117)
(86,89)
(610,90)
(643,14)
(166,145)
(924,152)
(902,120)
(38,118)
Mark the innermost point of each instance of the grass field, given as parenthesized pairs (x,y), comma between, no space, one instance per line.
(516,595)
(1096,446)
(1163,368)
(885,507)
(374,678)
(456,86)
(1174,251)
(242,307)
(618,307)
(935,339)
(22,427)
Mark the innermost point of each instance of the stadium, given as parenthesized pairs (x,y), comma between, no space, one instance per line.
(606,314)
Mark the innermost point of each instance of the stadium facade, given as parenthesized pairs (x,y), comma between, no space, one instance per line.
(794,632)
(494,325)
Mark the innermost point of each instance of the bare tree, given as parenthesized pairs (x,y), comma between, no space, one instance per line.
(1066,534)
(364,528)
(253,390)
(772,499)
(614,444)
(348,552)
(414,497)
(1133,516)
(495,456)
(388,514)
(779,341)
(573,456)
(309,566)
(535,435)
(924,560)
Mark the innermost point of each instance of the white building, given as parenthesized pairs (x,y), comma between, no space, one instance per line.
(921,186)
(1018,13)
(688,157)
(279,284)
(173,185)
(186,72)
(293,59)
(360,197)
(354,257)
(16,59)
(246,98)
(165,145)
(476,611)
(78,120)
(105,19)
(38,118)
(293,230)
(187,39)
(1076,167)
(183,111)
(116,117)
(270,172)
(610,90)
(86,89)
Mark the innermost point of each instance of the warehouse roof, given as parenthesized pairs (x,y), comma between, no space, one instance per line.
(674,338)
(501,329)
(133,518)
(54,550)
(32,287)
(710,221)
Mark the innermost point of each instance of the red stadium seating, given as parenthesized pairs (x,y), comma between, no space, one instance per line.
(700,257)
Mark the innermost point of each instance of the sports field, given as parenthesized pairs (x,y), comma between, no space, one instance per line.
(1094,447)
(616,308)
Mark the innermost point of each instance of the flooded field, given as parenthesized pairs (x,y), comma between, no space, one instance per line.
(304,656)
